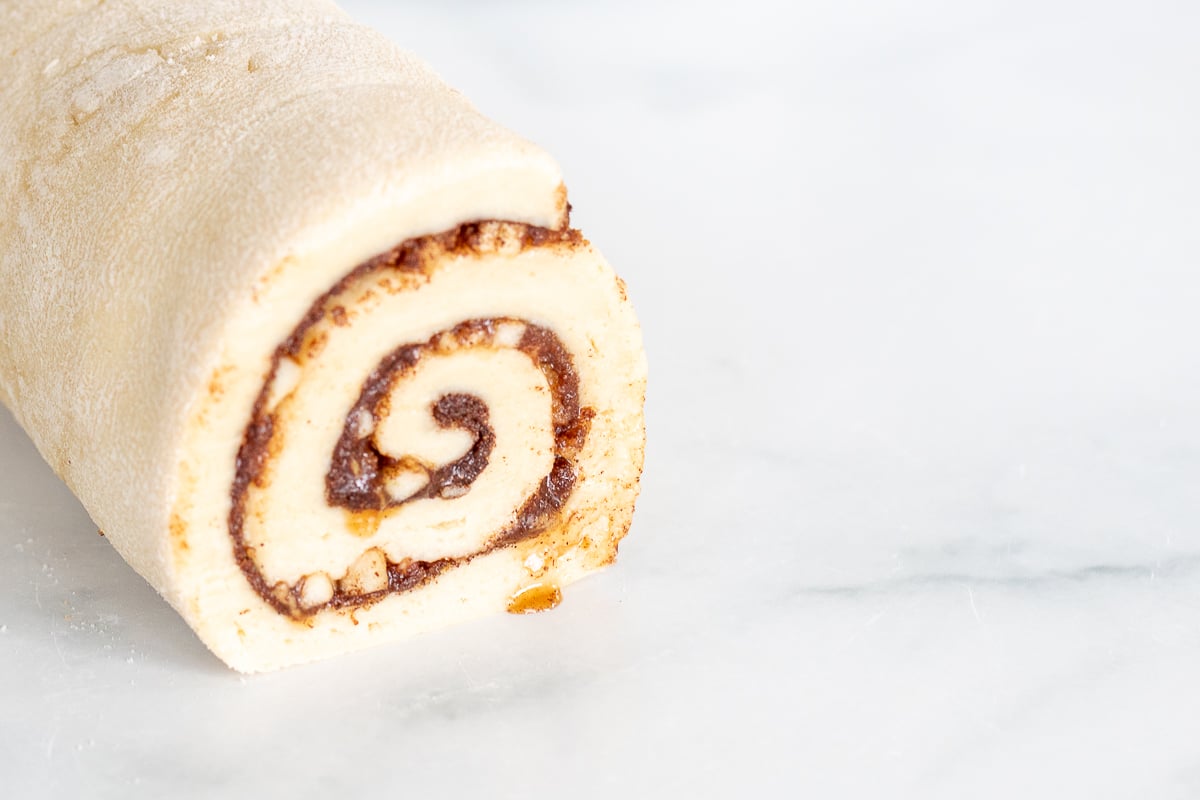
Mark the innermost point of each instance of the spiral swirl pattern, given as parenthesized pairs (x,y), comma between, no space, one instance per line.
(367,480)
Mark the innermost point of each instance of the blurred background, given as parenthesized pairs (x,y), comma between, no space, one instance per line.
(919,287)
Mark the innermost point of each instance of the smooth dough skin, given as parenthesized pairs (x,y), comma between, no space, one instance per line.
(310,338)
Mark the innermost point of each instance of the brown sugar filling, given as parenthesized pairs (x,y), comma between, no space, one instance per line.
(358,474)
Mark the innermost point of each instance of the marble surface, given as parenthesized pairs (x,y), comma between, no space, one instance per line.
(921,513)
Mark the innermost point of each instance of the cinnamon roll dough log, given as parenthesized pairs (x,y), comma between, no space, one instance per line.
(309,337)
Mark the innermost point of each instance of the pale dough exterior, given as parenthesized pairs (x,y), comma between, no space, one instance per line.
(179,181)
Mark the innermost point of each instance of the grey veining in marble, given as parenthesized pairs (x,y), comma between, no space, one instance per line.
(919,283)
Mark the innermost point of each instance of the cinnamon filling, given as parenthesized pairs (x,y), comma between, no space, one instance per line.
(360,474)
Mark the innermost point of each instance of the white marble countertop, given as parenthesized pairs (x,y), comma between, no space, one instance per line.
(919,283)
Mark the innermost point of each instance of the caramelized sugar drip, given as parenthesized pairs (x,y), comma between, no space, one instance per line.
(536,598)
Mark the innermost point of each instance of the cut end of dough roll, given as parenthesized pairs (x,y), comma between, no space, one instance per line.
(453,429)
